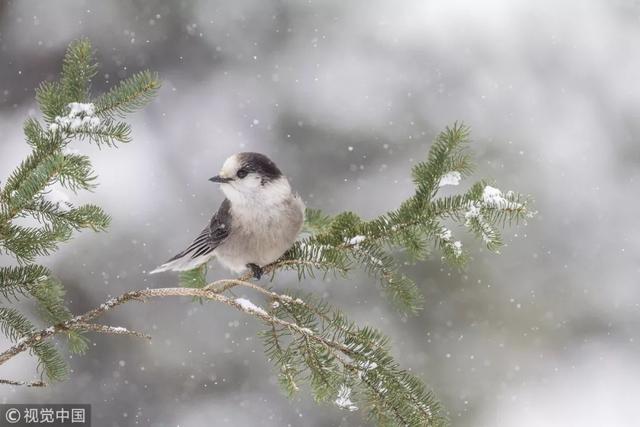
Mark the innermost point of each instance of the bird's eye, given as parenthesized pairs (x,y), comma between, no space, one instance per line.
(242,173)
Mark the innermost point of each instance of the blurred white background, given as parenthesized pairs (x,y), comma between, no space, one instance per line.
(544,334)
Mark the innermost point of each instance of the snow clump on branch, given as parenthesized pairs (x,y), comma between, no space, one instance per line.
(80,117)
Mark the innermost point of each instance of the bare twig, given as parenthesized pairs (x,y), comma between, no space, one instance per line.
(111,330)
(212,291)
(24,383)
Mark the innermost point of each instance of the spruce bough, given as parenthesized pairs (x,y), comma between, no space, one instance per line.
(309,341)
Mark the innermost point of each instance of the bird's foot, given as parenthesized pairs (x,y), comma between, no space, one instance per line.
(256,270)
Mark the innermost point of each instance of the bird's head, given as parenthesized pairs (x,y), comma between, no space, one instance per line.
(252,178)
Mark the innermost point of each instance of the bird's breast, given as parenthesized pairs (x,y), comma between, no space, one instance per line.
(261,234)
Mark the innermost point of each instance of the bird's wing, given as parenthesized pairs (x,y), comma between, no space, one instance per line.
(201,248)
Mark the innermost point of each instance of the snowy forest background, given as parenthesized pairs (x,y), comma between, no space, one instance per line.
(345,96)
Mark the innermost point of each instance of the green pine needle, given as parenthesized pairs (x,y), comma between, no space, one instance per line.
(315,221)
(25,192)
(365,366)
(14,326)
(78,68)
(20,280)
(196,278)
(129,95)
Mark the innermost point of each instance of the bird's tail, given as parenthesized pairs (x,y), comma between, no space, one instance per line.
(182,262)
(167,266)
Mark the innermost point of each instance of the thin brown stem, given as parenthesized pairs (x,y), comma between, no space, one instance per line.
(211,292)
(109,330)
(24,383)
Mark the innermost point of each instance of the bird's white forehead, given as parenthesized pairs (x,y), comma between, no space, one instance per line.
(230,167)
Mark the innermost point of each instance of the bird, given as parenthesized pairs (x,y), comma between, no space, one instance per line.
(258,221)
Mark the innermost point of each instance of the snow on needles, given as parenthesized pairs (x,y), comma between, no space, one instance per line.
(78,109)
(80,117)
(493,197)
(250,307)
(446,235)
(457,248)
(355,241)
(450,178)
(473,211)
(344,399)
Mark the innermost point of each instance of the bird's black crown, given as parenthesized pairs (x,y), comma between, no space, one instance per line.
(260,164)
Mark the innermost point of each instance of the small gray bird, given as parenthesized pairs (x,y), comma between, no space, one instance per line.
(256,223)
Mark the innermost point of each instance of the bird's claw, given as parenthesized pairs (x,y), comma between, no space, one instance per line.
(256,270)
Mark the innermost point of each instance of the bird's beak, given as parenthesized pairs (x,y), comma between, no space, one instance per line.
(220,179)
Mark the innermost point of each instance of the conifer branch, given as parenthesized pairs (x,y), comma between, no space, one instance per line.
(33,190)
(129,95)
(321,350)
